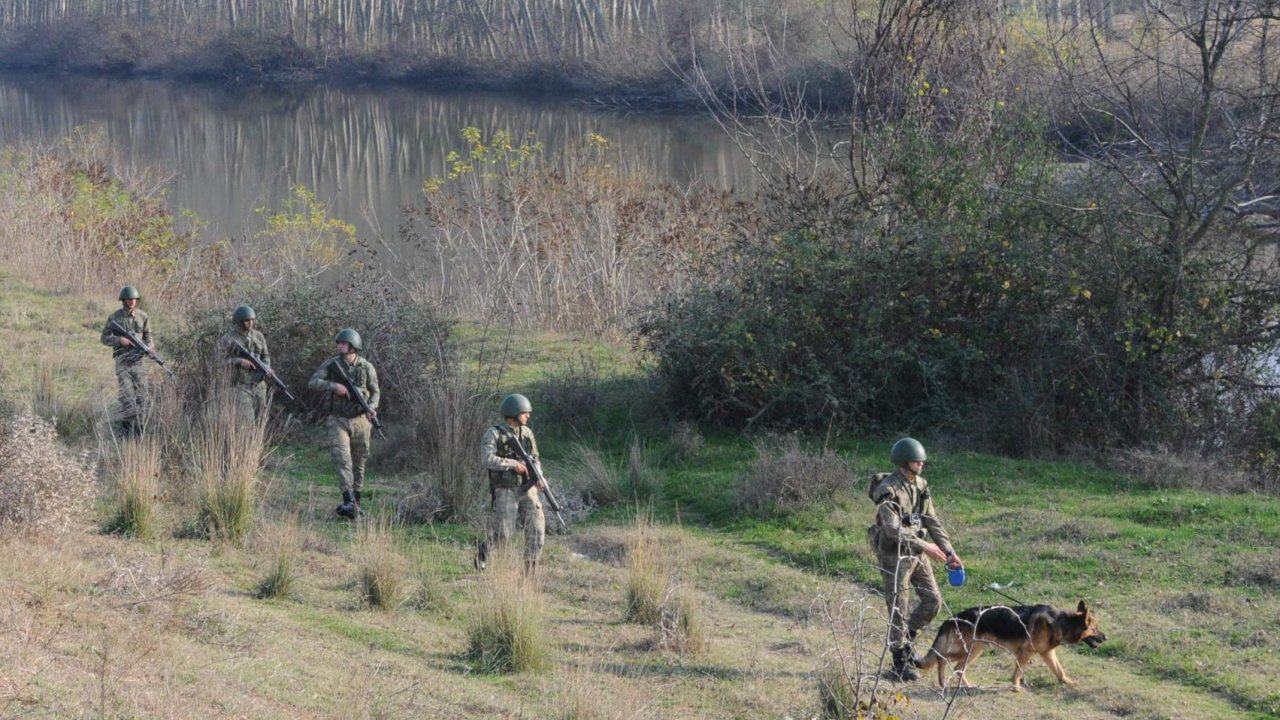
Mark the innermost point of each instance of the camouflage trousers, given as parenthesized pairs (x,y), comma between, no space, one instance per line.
(512,508)
(349,449)
(901,573)
(250,400)
(131,376)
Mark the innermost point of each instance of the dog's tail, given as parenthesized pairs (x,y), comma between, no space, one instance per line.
(935,655)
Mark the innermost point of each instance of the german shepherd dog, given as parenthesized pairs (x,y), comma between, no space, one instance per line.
(1023,630)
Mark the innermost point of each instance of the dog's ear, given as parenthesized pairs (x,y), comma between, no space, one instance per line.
(1081,608)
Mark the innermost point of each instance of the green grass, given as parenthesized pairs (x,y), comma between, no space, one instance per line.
(1186,581)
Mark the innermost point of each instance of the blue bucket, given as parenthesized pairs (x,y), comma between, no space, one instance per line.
(956,576)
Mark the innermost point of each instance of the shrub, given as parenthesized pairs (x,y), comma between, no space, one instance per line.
(137,482)
(451,418)
(45,488)
(786,475)
(506,630)
(406,339)
(1164,468)
(381,569)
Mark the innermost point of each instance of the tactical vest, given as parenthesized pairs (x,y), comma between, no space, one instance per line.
(359,374)
(506,449)
(909,517)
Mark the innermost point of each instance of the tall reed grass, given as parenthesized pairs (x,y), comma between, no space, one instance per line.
(382,572)
(225,455)
(283,543)
(136,475)
(506,630)
(647,577)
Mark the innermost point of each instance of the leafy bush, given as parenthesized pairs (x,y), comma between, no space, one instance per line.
(974,297)
(406,339)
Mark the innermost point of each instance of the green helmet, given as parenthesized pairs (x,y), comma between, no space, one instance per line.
(351,337)
(242,313)
(514,404)
(906,450)
(129,292)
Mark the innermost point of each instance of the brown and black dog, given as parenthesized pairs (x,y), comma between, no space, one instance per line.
(1024,630)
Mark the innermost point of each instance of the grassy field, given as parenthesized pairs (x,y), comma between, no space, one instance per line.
(100,626)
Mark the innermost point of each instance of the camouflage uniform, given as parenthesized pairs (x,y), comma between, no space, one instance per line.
(904,513)
(349,428)
(131,373)
(499,457)
(248,387)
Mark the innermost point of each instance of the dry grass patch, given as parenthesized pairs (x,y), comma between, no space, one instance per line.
(681,627)
(382,573)
(44,486)
(786,474)
(507,627)
(1164,468)
(647,578)
(283,543)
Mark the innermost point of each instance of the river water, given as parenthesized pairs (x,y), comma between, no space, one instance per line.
(363,151)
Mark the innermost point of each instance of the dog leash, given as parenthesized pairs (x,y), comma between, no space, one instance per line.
(995,588)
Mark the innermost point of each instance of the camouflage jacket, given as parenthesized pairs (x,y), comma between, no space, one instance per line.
(136,322)
(498,454)
(225,353)
(325,379)
(904,513)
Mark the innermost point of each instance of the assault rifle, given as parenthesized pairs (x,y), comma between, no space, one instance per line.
(536,478)
(263,368)
(120,331)
(354,393)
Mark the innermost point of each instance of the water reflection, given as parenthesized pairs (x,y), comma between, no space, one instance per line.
(364,151)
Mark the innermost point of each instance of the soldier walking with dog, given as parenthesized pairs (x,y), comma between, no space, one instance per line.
(515,499)
(905,515)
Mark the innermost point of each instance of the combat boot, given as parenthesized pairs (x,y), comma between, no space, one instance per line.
(356,504)
(481,560)
(348,507)
(904,664)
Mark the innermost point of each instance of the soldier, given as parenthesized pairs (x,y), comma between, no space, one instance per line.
(904,514)
(506,476)
(348,424)
(248,385)
(130,372)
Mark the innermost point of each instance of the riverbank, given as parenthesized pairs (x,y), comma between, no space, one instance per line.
(634,79)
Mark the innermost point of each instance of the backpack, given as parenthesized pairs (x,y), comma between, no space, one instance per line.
(873,532)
